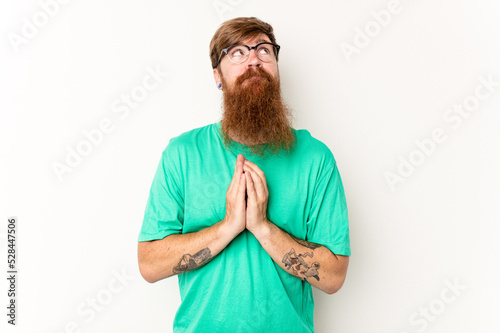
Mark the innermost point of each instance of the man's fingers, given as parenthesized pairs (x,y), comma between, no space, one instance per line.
(248,178)
(242,189)
(242,161)
(238,170)
(257,184)
(235,174)
(250,185)
(257,170)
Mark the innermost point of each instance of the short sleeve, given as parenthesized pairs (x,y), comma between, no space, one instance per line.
(328,223)
(164,213)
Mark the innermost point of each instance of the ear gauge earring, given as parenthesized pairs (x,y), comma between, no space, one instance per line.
(220,85)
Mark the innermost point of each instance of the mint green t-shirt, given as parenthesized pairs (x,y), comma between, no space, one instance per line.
(242,289)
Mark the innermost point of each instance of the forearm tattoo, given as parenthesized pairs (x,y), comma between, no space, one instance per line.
(189,262)
(299,266)
(307,244)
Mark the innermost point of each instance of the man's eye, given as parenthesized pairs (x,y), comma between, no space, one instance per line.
(264,50)
(237,53)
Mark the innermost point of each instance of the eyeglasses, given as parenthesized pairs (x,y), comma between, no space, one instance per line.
(238,54)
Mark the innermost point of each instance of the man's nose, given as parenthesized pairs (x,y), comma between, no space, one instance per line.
(253,60)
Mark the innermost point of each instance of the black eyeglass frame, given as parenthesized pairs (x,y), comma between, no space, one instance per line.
(250,48)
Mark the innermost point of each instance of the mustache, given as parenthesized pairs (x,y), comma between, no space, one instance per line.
(259,72)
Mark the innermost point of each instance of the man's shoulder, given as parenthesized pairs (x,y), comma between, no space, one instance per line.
(192,138)
(313,147)
(195,133)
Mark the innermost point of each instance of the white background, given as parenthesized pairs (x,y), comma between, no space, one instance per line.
(409,241)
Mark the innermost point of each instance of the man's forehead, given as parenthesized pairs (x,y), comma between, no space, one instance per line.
(255,40)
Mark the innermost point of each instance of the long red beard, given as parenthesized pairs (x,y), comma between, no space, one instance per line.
(254,114)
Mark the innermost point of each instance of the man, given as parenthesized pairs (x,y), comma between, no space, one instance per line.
(249,212)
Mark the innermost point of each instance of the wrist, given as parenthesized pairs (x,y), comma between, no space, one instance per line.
(226,230)
(262,231)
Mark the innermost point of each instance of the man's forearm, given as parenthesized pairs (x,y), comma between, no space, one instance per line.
(179,253)
(308,261)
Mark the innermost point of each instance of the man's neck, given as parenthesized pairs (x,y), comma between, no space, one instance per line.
(247,142)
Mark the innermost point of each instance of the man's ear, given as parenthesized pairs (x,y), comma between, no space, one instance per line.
(217,77)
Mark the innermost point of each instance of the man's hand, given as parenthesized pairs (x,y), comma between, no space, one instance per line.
(235,219)
(179,253)
(308,261)
(256,187)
